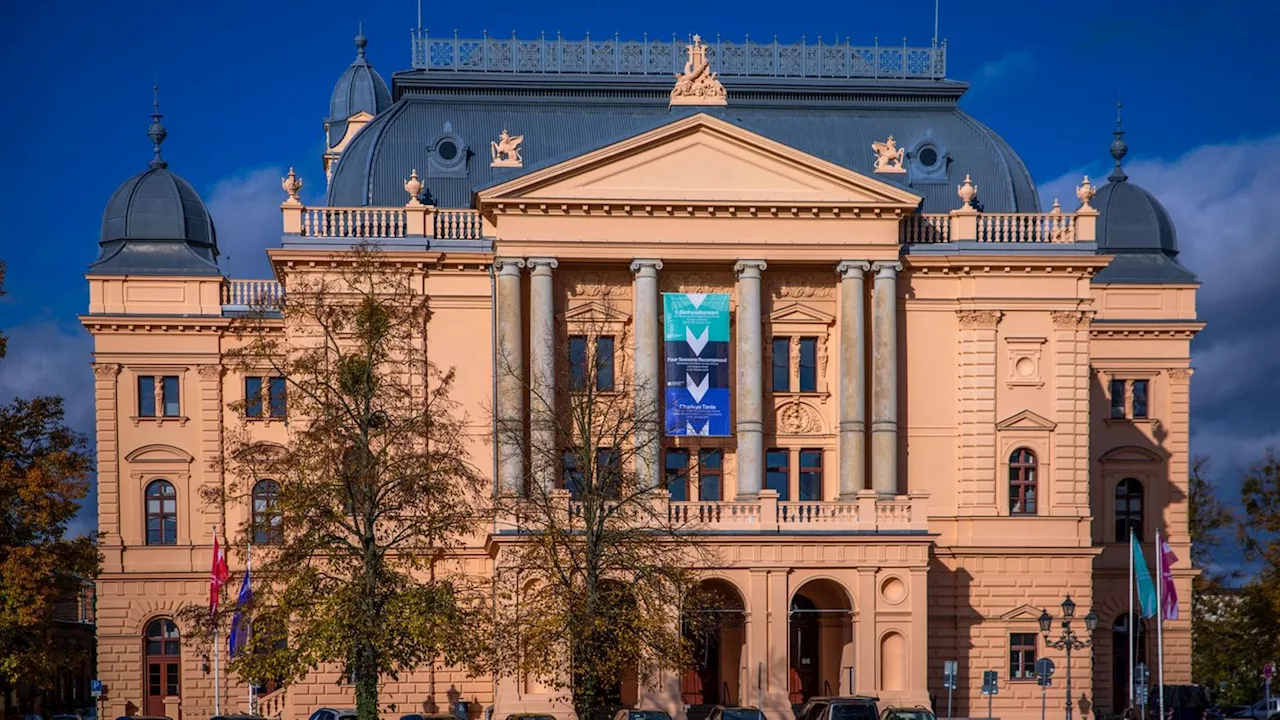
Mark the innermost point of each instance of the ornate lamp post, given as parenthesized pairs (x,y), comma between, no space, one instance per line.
(1068,640)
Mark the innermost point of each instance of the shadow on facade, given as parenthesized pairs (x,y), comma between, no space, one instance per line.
(952,624)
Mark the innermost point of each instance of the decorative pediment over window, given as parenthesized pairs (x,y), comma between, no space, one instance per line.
(159,454)
(1026,420)
(1131,454)
(595,313)
(800,314)
(1023,612)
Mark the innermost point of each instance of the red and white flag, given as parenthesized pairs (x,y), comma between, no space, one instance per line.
(1169,594)
(217,576)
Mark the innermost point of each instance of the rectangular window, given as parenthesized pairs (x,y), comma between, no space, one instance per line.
(276,405)
(1117,399)
(1022,656)
(146,396)
(1140,398)
(777,473)
(710,474)
(170,396)
(676,472)
(609,472)
(571,474)
(604,363)
(253,396)
(811,475)
(808,364)
(781,364)
(577,363)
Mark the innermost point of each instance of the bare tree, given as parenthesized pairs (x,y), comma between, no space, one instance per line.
(597,573)
(371,491)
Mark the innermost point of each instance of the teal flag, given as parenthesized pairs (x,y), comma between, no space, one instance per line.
(1146,587)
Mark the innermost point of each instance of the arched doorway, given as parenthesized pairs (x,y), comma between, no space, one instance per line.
(162,663)
(714,625)
(1120,657)
(820,641)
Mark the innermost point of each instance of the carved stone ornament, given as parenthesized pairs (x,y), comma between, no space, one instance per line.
(968,192)
(413,186)
(1069,320)
(978,319)
(291,184)
(798,419)
(695,282)
(697,85)
(210,372)
(1085,193)
(106,371)
(889,157)
(603,284)
(506,151)
(799,285)
(1180,374)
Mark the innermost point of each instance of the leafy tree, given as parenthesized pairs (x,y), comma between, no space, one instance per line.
(1207,518)
(373,485)
(1260,501)
(44,474)
(596,582)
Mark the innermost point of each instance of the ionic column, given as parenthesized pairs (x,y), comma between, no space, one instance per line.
(510,369)
(645,369)
(542,373)
(884,397)
(750,380)
(853,378)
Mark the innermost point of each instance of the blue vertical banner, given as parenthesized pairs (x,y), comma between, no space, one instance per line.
(696,346)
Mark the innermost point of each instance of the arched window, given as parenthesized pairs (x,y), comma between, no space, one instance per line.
(1128,509)
(162,513)
(162,647)
(1022,482)
(266,513)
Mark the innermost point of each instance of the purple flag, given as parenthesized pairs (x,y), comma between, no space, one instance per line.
(1169,594)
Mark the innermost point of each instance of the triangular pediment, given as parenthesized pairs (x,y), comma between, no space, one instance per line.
(1023,612)
(1026,420)
(159,454)
(595,312)
(699,159)
(1130,453)
(798,313)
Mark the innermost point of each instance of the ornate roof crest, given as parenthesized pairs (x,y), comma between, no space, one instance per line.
(697,85)
(506,150)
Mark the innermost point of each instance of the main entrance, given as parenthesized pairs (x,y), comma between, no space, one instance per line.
(820,641)
(163,662)
(716,632)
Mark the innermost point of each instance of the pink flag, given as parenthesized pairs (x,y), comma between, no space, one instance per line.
(217,575)
(1169,594)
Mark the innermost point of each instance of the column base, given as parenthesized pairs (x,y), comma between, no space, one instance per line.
(746,497)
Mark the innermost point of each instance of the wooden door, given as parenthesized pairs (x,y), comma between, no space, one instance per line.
(804,657)
(162,665)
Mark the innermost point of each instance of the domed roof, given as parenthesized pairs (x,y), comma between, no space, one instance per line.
(360,88)
(156,223)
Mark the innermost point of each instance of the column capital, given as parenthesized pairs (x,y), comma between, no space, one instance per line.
(640,265)
(508,265)
(852,269)
(887,268)
(749,268)
(543,262)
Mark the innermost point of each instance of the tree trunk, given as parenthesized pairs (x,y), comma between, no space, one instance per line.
(366,672)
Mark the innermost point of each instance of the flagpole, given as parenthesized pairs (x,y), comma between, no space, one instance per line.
(248,563)
(1129,620)
(217,684)
(1160,619)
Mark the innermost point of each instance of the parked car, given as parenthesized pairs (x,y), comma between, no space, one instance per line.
(530,716)
(853,707)
(1181,702)
(326,713)
(907,713)
(238,716)
(1261,710)
(641,715)
(735,712)
(429,716)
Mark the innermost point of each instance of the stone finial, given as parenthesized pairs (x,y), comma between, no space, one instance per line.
(1085,193)
(968,192)
(413,186)
(291,184)
(697,85)
(505,151)
(1057,208)
(889,157)
(156,132)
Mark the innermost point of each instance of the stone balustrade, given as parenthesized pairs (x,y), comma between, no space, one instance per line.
(272,705)
(257,294)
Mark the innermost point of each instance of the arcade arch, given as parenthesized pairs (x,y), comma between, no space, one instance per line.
(820,641)
(714,623)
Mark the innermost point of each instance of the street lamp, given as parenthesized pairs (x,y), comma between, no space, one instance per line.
(1068,640)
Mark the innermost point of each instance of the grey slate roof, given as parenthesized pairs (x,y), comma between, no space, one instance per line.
(359,88)
(564,116)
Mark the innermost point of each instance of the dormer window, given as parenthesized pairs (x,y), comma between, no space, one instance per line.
(929,157)
(447,154)
(927,162)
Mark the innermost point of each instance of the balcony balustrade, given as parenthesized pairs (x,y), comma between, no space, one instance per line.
(252,294)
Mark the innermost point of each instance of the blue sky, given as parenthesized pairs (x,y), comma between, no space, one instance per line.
(245,86)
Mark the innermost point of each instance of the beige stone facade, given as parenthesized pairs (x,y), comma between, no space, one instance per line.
(963,414)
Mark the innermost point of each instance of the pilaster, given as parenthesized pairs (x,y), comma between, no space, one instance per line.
(107,411)
(976,494)
(1178,444)
(1069,480)
(208,466)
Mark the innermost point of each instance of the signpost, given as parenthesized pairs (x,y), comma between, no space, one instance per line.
(990,688)
(949,681)
(1044,673)
(696,344)
(1141,678)
(1268,671)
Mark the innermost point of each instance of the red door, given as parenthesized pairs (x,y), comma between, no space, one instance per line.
(162,665)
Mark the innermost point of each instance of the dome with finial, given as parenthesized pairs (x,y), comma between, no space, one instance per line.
(155,222)
(1134,226)
(359,89)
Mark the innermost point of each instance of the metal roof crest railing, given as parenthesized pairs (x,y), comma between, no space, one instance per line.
(613,56)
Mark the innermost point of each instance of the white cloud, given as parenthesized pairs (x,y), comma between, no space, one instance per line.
(246,212)
(1005,67)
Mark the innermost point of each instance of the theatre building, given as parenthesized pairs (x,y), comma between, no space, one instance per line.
(945,408)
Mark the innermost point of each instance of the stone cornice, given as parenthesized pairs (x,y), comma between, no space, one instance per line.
(962,265)
(143,323)
(696,208)
(1186,329)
